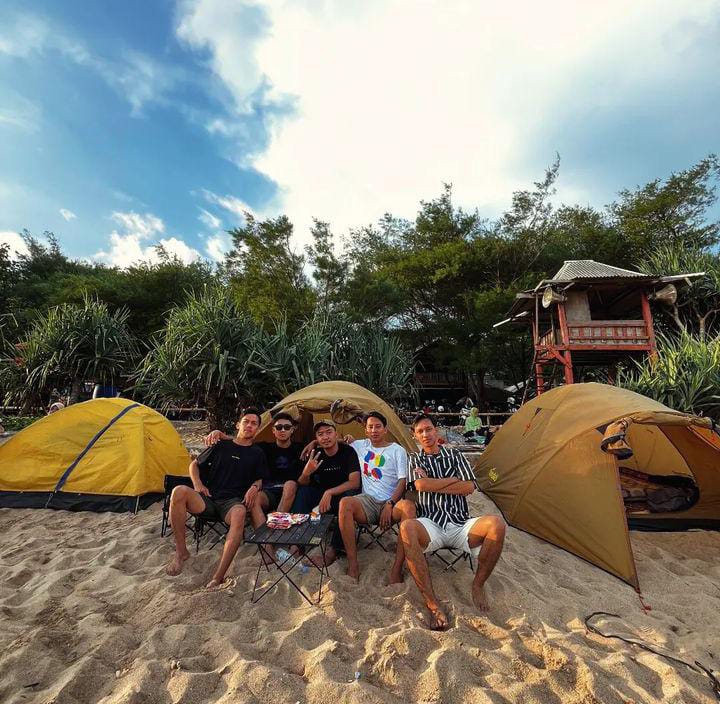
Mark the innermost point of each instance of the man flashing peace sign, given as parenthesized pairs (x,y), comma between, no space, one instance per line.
(331,472)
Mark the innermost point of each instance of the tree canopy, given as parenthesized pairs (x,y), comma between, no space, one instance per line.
(431,287)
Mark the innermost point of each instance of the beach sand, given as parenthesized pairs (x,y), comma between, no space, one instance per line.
(88,615)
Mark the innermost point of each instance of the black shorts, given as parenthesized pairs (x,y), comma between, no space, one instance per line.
(217,510)
(274,494)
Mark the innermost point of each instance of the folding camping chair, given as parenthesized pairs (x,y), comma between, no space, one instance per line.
(171,481)
(452,558)
(199,527)
(374,533)
(216,529)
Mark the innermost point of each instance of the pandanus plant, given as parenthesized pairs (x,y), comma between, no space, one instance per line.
(69,345)
(208,351)
(685,374)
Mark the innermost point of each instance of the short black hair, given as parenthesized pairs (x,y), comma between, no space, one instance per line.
(250,411)
(282,415)
(375,414)
(420,417)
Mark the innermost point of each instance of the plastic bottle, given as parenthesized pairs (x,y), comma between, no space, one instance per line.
(282,555)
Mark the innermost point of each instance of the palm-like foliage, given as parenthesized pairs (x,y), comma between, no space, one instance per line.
(331,346)
(699,299)
(69,345)
(685,375)
(208,351)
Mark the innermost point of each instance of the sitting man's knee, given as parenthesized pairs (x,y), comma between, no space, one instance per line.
(409,530)
(236,516)
(406,509)
(290,485)
(497,528)
(180,493)
(346,505)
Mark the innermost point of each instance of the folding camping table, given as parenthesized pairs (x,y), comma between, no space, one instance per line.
(306,537)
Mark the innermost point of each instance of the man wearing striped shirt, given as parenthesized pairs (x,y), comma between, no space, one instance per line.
(443,479)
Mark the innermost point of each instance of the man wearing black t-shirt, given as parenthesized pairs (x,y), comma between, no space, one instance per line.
(226,482)
(283,457)
(333,471)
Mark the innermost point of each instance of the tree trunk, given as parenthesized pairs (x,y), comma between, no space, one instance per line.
(676,317)
(75,390)
(213,415)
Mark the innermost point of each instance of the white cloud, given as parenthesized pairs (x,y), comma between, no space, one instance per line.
(15,243)
(232,30)
(396,97)
(230,203)
(143,226)
(67,214)
(179,249)
(25,117)
(128,247)
(209,220)
(24,35)
(217,246)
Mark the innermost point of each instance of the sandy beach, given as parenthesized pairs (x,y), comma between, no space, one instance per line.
(89,616)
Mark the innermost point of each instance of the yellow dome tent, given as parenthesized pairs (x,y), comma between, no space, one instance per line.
(108,454)
(546,471)
(342,401)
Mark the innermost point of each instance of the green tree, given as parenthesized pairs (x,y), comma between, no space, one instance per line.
(329,272)
(699,298)
(8,277)
(674,210)
(67,346)
(333,346)
(685,375)
(266,276)
(209,351)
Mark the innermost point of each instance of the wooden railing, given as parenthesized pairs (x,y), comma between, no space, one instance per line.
(600,333)
(608,333)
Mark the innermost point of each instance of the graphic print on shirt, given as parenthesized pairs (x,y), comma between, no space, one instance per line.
(372,463)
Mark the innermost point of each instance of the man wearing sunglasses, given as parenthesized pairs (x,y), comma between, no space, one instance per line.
(284,468)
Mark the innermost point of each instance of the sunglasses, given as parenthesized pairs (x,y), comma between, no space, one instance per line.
(283,427)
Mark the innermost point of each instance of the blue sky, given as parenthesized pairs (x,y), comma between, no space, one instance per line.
(123,125)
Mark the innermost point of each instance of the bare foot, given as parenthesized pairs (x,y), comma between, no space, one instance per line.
(396,578)
(479,598)
(176,564)
(322,560)
(353,570)
(214,584)
(438,620)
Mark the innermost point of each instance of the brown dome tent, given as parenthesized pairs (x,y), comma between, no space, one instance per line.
(342,401)
(547,473)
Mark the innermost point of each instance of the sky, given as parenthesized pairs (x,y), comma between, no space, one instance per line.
(127,125)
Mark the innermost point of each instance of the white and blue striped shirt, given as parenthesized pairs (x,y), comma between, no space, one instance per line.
(441,508)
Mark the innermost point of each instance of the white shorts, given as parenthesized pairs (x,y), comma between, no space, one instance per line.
(452,536)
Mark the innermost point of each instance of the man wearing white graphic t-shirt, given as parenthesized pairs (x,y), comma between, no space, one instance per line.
(383,470)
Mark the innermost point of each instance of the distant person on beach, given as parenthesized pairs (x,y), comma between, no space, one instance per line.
(227,479)
(474,430)
(443,479)
(331,472)
(384,477)
(284,466)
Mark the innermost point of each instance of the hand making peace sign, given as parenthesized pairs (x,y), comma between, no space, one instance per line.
(313,463)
